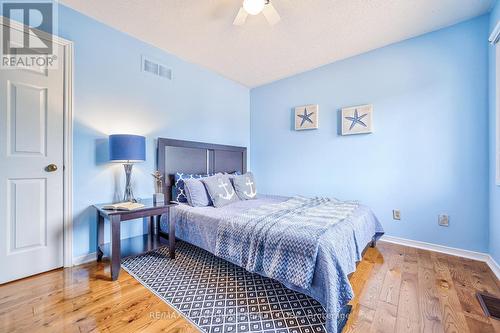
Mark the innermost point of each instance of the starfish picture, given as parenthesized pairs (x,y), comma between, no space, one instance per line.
(356,119)
(305,117)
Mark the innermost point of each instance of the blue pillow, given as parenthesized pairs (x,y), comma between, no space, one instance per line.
(178,193)
(196,193)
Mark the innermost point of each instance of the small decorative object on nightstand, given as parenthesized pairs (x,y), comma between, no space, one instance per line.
(127,149)
(158,197)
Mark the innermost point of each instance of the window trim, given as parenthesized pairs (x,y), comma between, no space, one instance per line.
(497,114)
(494,39)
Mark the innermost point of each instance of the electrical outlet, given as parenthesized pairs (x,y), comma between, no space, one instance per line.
(396,214)
(443,220)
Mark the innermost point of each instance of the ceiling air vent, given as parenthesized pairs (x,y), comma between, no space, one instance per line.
(155,68)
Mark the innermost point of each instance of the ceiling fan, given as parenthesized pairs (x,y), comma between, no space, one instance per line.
(255,7)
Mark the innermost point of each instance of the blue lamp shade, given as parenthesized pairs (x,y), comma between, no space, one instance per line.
(127,148)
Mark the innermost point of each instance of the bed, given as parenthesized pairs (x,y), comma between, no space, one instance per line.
(339,248)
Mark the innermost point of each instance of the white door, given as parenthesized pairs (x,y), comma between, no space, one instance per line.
(31,195)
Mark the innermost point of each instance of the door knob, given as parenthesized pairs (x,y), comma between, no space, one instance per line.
(51,168)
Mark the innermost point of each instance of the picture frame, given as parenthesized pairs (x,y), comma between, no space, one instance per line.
(357,119)
(306,117)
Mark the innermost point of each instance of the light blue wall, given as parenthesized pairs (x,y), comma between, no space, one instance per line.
(428,154)
(494,190)
(112,95)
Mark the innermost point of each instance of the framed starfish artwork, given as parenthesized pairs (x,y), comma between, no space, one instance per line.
(357,119)
(306,117)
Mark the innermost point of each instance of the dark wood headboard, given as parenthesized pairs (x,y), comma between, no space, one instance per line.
(197,157)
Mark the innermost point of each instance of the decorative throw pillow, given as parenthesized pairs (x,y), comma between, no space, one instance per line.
(196,193)
(220,189)
(178,193)
(244,186)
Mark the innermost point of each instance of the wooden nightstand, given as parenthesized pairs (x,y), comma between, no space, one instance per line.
(151,242)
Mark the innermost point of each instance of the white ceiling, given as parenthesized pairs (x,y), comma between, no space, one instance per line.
(311,33)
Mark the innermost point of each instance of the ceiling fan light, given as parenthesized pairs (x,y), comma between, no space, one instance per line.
(254,7)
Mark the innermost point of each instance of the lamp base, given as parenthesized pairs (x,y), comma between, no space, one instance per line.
(129,195)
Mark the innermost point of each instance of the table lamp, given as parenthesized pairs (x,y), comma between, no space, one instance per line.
(127,149)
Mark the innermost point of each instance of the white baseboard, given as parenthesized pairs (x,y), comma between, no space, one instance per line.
(436,248)
(86,258)
(494,266)
(480,256)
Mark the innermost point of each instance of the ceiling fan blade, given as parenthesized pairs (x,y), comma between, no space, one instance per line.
(271,14)
(241,17)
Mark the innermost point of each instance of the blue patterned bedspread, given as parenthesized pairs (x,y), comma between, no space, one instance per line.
(280,240)
(340,246)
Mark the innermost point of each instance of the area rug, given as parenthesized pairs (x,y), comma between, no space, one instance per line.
(218,296)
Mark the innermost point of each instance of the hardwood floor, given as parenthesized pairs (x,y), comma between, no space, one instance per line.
(402,289)
(398,289)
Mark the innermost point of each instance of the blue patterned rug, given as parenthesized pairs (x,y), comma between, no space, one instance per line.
(218,296)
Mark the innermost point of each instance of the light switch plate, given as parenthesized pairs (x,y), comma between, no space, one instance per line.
(444,220)
(396,214)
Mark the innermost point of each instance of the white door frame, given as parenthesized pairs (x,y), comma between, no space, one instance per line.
(68,138)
